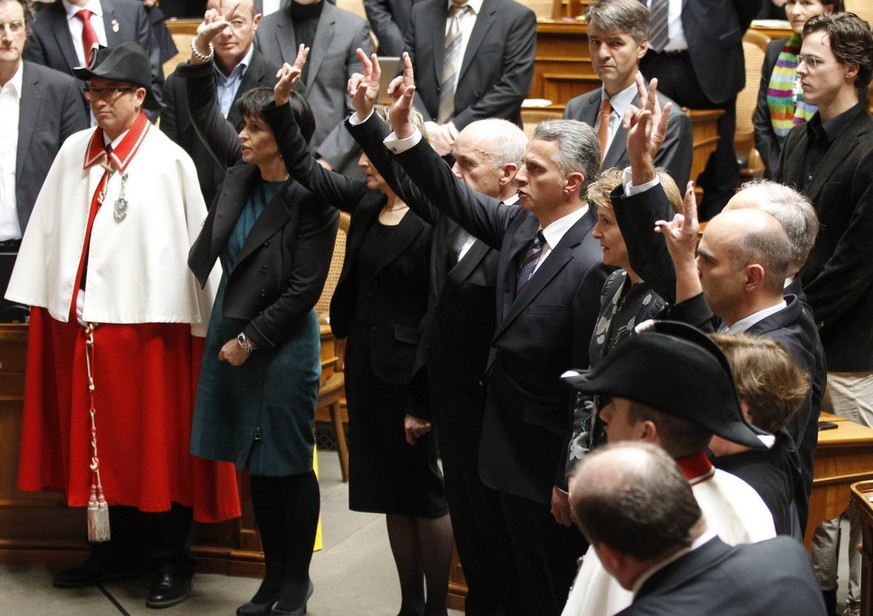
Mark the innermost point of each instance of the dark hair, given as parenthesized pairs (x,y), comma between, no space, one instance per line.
(679,436)
(634,498)
(252,102)
(624,16)
(851,41)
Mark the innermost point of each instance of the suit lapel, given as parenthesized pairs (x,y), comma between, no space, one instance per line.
(61,31)
(321,43)
(274,216)
(113,38)
(29,110)
(285,38)
(618,147)
(439,18)
(590,110)
(847,141)
(237,185)
(465,267)
(407,230)
(793,159)
(252,78)
(484,21)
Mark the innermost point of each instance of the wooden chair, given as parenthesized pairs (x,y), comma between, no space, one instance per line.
(754,49)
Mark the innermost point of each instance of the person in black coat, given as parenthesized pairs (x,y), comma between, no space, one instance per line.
(379,305)
(259,378)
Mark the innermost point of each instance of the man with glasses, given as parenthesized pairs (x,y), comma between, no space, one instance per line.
(238,68)
(40,109)
(830,160)
(115,338)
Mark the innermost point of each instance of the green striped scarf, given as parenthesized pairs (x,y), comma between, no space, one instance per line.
(785,102)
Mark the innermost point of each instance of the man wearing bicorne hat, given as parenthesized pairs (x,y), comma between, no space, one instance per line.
(115,337)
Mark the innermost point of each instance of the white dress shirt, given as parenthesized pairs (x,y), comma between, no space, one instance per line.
(76,26)
(10,103)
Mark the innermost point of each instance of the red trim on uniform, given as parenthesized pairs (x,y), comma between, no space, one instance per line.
(697,468)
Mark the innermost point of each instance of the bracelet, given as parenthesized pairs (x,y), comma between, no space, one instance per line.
(245,343)
(199,56)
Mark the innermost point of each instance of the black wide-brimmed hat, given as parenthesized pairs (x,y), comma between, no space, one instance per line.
(128,62)
(674,368)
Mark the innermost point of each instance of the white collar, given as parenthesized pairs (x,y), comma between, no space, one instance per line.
(476,5)
(620,101)
(17,81)
(746,322)
(556,230)
(92,5)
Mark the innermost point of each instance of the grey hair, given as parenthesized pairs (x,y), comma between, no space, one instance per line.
(795,213)
(578,148)
(509,142)
(629,16)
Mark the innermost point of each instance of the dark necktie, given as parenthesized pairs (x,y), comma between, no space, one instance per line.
(529,264)
(89,35)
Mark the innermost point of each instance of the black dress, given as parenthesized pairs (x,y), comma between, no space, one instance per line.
(387,475)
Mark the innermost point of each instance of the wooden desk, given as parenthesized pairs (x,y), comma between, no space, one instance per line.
(844,456)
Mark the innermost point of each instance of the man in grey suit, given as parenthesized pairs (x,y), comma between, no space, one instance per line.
(40,109)
(56,37)
(238,67)
(332,35)
(617,31)
(495,58)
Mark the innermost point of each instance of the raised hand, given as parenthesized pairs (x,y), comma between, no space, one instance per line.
(288,76)
(646,127)
(402,90)
(364,88)
(680,235)
(213,24)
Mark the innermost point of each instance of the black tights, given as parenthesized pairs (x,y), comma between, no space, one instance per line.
(421,546)
(286,509)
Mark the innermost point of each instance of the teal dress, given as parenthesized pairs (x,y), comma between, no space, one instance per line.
(260,414)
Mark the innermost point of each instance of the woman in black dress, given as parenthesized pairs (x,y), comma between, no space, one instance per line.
(378,305)
(259,378)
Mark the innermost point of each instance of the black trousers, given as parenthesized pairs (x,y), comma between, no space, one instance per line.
(677,80)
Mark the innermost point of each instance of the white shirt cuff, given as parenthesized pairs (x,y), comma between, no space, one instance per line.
(399,146)
(354,120)
(630,189)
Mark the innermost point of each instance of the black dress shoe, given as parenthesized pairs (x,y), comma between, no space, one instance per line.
(168,590)
(93,571)
(300,611)
(257,609)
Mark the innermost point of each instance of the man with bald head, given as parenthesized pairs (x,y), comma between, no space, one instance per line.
(238,67)
(463,273)
(639,514)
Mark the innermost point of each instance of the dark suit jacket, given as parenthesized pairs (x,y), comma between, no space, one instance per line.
(389,20)
(49,112)
(332,61)
(498,63)
(793,326)
(539,335)
(838,275)
(51,44)
(281,269)
(675,153)
(176,123)
(754,579)
(714,31)
(765,139)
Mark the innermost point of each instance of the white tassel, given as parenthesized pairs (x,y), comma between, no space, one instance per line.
(98,517)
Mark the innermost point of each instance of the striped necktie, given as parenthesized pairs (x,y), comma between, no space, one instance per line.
(451,63)
(659,36)
(529,264)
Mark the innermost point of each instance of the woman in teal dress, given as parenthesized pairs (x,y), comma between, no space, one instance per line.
(260,373)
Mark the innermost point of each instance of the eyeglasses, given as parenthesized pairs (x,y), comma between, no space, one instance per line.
(106,93)
(14,27)
(811,62)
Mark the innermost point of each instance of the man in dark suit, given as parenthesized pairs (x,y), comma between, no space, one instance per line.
(41,108)
(617,31)
(493,68)
(549,276)
(638,511)
(389,20)
(332,35)
(239,67)
(696,52)
(56,37)
(830,159)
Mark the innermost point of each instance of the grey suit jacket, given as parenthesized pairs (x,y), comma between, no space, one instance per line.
(176,122)
(498,63)
(675,154)
(332,61)
(50,111)
(51,44)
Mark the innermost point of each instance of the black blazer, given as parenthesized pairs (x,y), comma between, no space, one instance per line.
(497,67)
(765,139)
(838,275)
(49,112)
(397,295)
(51,44)
(753,579)
(675,154)
(284,261)
(714,30)
(176,123)
(539,335)
(389,20)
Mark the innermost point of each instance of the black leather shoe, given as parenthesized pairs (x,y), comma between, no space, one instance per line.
(168,590)
(300,611)
(257,609)
(91,572)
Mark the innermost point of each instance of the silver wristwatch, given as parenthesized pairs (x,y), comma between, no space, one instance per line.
(247,345)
